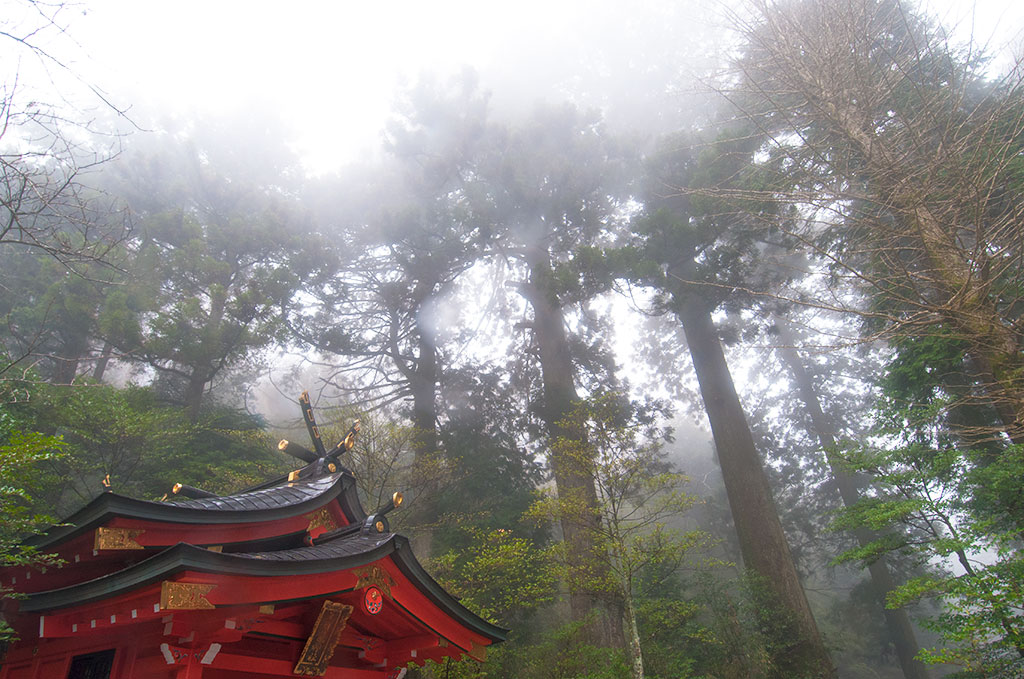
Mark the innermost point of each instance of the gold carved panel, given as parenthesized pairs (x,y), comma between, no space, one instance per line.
(321,519)
(323,640)
(117,538)
(184,596)
(376,576)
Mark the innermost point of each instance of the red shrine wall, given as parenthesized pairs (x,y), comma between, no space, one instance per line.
(52,659)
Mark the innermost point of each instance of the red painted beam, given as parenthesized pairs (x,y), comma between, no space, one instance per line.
(282,668)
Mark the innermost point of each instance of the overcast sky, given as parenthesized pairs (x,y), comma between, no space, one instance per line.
(331,67)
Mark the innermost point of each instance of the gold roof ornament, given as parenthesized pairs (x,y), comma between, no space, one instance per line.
(321,519)
(311,425)
(191,491)
(376,522)
(350,437)
(296,451)
(322,461)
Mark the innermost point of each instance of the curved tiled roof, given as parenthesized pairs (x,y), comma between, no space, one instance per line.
(264,498)
(350,551)
(349,545)
(286,499)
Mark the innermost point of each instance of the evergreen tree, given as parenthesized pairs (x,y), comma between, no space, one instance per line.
(696,251)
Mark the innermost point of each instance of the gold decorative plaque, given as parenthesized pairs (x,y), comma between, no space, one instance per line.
(117,538)
(184,596)
(321,519)
(323,640)
(376,576)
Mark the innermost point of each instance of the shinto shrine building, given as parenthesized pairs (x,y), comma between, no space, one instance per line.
(291,578)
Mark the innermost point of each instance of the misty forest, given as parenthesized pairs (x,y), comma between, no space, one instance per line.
(694,341)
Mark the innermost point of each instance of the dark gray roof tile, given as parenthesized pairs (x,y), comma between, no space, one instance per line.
(266,498)
(349,545)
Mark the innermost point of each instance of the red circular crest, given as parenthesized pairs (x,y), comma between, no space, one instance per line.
(373,600)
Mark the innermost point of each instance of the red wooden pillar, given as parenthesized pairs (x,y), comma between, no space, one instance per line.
(190,671)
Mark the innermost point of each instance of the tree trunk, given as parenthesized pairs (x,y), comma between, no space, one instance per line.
(636,656)
(897,620)
(194,394)
(762,541)
(423,385)
(103,362)
(573,483)
(65,367)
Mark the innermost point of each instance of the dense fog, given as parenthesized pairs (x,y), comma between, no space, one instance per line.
(690,329)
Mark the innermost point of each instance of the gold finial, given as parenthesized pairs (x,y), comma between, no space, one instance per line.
(282,444)
(397,498)
(176,488)
(350,437)
(106,482)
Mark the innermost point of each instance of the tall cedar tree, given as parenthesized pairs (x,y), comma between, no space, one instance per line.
(395,250)
(218,255)
(697,252)
(904,164)
(552,186)
(824,430)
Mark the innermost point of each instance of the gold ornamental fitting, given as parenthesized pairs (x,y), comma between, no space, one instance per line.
(397,498)
(350,437)
(282,444)
(380,526)
(176,488)
(332,467)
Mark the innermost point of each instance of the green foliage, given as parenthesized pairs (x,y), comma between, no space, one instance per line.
(947,509)
(499,575)
(144,445)
(671,632)
(22,456)
(561,653)
(22,474)
(618,445)
(53,319)
(496,474)
(637,492)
